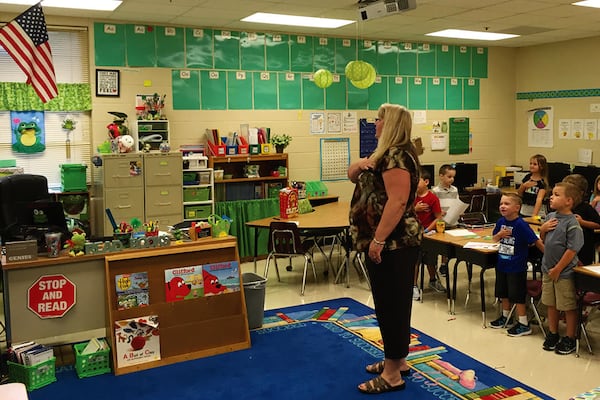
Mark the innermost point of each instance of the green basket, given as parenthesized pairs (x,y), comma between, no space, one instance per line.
(220,226)
(34,376)
(73,177)
(87,365)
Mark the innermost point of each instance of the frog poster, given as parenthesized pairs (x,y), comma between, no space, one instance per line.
(28,131)
(137,340)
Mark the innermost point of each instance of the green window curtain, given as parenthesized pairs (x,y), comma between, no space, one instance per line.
(18,96)
(242,211)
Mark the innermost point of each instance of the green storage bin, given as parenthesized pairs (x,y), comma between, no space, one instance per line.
(196,194)
(190,178)
(73,178)
(86,365)
(197,211)
(34,376)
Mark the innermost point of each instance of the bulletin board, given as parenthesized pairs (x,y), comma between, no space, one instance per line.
(368,141)
(335,158)
(459,136)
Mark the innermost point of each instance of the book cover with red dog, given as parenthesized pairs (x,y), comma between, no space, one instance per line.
(183,283)
(220,278)
(137,340)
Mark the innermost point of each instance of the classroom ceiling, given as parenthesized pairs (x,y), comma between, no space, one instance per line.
(537,21)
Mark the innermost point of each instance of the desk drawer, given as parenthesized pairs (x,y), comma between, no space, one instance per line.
(163,169)
(163,200)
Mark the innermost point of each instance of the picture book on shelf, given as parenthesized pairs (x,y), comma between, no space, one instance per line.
(132,290)
(137,340)
(183,283)
(220,278)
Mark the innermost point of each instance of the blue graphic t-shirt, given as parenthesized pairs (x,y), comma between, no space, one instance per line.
(513,250)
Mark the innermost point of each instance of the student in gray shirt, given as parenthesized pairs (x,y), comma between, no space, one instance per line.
(563,238)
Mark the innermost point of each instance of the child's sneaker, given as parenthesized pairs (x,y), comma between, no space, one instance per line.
(565,346)
(443,270)
(519,330)
(500,323)
(551,341)
(437,286)
(416,293)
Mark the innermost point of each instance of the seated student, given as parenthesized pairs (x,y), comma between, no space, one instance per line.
(595,197)
(427,207)
(445,190)
(588,219)
(515,237)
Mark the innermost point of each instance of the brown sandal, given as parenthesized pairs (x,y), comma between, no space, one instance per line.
(377,368)
(379,385)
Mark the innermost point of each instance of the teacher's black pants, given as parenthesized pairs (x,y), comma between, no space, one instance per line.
(391,284)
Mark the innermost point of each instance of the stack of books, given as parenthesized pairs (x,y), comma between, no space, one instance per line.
(94,346)
(30,353)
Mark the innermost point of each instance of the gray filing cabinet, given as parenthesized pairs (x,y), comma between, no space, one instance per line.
(163,188)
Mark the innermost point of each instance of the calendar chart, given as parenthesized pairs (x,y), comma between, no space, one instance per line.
(335,158)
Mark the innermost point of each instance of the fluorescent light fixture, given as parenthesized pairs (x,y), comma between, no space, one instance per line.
(281,19)
(98,5)
(473,35)
(588,3)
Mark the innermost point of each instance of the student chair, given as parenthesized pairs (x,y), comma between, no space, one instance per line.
(284,241)
(589,299)
(319,240)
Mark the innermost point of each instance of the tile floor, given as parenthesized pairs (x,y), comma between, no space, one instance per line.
(519,357)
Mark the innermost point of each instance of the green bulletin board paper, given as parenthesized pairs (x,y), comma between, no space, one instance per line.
(265,90)
(454,94)
(398,90)
(407,59)
(239,90)
(459,136)
(313,97)
(462,61)
(471,91)
(358,99)
(301,53)
(141,45)
(278,52)
(290,90)
(252,48)
(324,53)
(109,45)
(227,49)
(213,90)
(387,57)
(367,51)
(435,93)
(345,51)
(479,62)
(426,53)
(445,60)
(378,93)
(199,48)
(335,95)
(186,89)
(170,47)
(417,93)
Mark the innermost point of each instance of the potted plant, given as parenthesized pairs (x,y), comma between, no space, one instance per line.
(280,142)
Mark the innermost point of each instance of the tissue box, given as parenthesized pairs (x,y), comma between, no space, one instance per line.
(288,203)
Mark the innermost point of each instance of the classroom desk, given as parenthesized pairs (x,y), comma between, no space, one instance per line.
(331,216)
(585,281)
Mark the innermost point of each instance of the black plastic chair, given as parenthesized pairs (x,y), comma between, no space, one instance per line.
(284,241)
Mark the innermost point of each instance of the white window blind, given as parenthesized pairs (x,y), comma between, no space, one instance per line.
(70,57)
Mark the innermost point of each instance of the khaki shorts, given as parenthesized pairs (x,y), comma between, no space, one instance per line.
(560,294)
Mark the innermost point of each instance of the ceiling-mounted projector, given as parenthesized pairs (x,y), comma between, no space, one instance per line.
(383,8)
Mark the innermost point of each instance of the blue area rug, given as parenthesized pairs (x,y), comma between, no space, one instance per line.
(313,351)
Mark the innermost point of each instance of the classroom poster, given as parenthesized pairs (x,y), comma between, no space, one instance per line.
(540,132)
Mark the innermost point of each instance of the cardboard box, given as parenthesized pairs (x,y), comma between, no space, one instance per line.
(25,250)
(288,202)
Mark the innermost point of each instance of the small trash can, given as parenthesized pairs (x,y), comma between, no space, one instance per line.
(254,292)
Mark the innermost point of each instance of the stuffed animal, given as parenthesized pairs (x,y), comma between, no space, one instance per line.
(76,244)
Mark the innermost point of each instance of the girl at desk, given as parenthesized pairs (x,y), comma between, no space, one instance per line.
(534,187)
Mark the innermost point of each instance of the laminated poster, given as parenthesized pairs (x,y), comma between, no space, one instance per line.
(137,340)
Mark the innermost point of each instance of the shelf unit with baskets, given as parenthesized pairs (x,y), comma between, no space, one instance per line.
(198,188)
(151,132)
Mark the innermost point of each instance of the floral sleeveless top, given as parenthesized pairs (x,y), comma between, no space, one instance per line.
(369,199)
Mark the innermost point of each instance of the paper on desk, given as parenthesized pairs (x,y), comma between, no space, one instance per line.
(593,268)
(453,209)
(460,232)
(481,245)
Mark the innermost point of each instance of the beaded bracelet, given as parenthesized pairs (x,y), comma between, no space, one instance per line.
(378,242)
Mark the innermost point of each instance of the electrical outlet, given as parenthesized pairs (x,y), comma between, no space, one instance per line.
(595,108)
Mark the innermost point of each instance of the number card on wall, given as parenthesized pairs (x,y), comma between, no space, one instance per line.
(335,159)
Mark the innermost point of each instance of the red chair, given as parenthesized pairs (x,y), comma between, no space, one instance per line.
(284,241)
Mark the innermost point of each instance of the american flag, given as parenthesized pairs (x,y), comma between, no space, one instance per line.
(26,40)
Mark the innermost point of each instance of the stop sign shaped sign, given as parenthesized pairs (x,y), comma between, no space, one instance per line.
(51,296)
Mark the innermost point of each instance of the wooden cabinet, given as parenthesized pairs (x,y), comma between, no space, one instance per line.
(188,329)
(162,188)
(272,172)
(151,133)
(198,188)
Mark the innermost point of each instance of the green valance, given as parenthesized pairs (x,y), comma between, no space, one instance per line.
(19,96)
